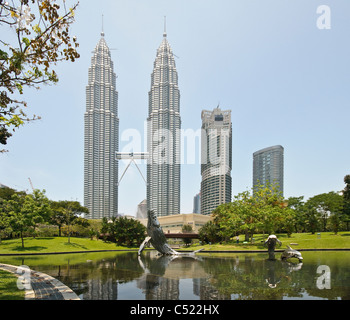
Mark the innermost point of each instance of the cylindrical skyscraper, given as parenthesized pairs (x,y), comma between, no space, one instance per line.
(268,166)
(164,123)
(101,136)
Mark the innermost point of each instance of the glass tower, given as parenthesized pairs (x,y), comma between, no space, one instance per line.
(163,141)
(268,167)
(101,136)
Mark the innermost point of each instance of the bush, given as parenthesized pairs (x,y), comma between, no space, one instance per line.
(123,231)
(209,233)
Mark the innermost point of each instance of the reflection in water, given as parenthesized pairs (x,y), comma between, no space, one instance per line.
(275,275)
(207,277)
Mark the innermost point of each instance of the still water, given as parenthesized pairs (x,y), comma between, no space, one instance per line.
(249,276)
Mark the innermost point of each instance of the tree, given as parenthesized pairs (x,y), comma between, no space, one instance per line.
(298,206)
(209,233)
(38,207)
(270,208)
(187,228)
(312,218)
(6,195)
(124,231)
(346,196)
(25,212)
(247,213)
(230,218)
(346,192)
(68,213)
(34,37)
(327,204)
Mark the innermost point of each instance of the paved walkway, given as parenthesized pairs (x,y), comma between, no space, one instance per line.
(40,286)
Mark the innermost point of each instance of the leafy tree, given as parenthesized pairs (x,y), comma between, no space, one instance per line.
(346,192)
(298,206)
(25,212)
(38,206)
(346,196)
(34,37)
(6,193)
(247,214)
(327,204)
(229,218)
(4,222)
(187,228)
(68,213)
(209,233)
(289,219)
(124,231)
(312,218)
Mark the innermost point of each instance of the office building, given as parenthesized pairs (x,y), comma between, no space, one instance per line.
(163,141)
(101,136)
(197,203)
(216,159)
(268,166)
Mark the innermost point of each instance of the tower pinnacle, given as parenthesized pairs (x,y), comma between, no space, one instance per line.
(102,32)
(164,34)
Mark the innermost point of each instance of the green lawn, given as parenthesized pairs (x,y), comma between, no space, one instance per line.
(8,287)
(325,240)
(55,244)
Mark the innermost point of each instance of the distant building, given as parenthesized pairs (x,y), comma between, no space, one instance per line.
(142,210)
(174,223)
(216,159)
(197,203)
(101,136)
(268,167)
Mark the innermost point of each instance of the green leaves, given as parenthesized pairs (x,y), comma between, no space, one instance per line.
(124,231)
(263,211)
(42,40)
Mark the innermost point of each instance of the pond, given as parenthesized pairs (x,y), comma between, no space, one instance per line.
(230,276)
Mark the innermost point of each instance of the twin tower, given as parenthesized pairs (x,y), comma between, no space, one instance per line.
(101,136)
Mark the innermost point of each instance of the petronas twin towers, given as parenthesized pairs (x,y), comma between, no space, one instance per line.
(102,135)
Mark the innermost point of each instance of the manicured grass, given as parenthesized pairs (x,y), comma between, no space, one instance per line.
(8,287)
(324,240)
(55,244)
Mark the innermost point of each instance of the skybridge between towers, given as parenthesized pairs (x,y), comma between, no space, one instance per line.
(132,156)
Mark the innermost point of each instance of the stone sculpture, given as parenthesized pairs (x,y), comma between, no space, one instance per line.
(157,238)
(271,242)
(291,253)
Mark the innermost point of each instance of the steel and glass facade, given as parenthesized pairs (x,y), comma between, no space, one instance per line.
(101,136)
(268,167)
(163,141)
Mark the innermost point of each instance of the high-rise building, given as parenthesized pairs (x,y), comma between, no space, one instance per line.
(197,203)
(216,159)
(142,210)
(164,123)
(101,136)
(268,167)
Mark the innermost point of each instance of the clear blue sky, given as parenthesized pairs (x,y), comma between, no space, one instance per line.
(285,80)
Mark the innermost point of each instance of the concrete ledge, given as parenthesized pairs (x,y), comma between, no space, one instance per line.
(29,292)
(65,291)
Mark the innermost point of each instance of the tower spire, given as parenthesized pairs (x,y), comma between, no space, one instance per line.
(102,33)
(164,34)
